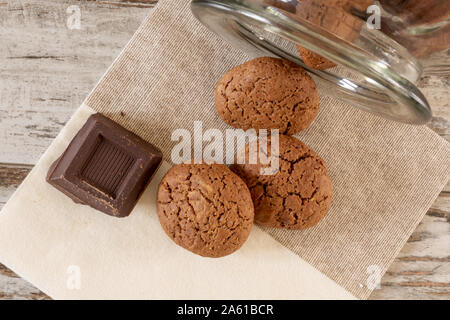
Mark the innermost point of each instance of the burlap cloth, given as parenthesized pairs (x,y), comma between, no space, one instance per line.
(385,175)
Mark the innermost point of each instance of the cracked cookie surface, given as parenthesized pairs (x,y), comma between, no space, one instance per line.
(205,208)
(267,93)
(298,196)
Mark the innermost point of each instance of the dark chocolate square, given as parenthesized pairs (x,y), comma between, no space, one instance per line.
(105,166)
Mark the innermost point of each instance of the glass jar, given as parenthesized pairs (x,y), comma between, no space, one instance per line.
(370,55)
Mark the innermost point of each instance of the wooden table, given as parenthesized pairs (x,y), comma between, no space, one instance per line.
(47,69)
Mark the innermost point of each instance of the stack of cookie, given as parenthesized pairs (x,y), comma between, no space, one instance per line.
(270,93)
(209,209)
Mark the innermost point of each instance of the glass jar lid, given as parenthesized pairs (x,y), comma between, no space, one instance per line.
(374,72)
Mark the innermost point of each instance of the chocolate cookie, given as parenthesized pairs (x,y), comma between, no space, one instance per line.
(206,209)
(339,17)
(267,93)
(297,196)
(313,60)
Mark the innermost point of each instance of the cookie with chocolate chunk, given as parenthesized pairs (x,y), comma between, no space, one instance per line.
(298,195)
(267,93)
(205,208)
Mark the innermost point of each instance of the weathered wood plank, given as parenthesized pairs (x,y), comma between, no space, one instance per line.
(10,178)
(441,208)
(47,69)
(422,269)
(436,91)
(13,287)
(128,3)
(447,188)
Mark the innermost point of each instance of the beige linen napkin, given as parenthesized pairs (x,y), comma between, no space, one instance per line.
(386,175)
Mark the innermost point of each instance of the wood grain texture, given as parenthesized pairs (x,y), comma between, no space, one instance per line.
(47,70)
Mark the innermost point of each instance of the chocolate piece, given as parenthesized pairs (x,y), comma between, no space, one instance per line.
(105,166)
